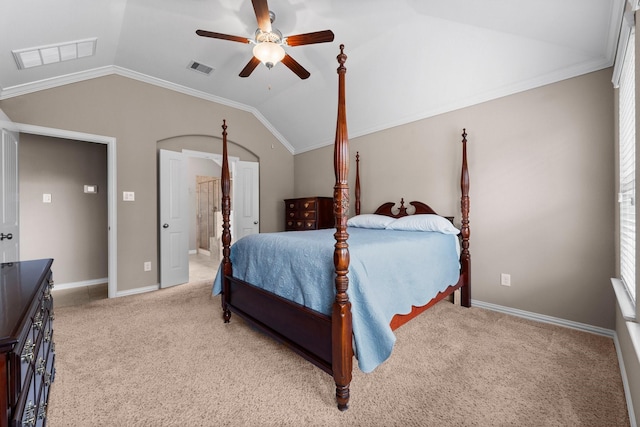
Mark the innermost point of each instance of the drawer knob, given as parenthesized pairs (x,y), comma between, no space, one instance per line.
(42,411)
(27,352)
(37,321)
(29,415)
(40,369)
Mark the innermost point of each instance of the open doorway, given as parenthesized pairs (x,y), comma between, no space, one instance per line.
(110,144)
(199,151)
(205,217)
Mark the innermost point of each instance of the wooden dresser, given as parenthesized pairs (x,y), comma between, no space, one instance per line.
(27,351)
(309,213)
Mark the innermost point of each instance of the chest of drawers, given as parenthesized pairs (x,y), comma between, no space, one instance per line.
(309,213)
(27,350)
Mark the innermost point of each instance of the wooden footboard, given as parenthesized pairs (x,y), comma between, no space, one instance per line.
(305,331)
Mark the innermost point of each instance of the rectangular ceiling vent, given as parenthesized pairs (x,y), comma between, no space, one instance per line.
(50,54)
(201,68)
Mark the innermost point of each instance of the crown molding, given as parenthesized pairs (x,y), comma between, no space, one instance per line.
(27,88)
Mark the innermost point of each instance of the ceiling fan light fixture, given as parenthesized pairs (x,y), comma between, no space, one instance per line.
(269,53)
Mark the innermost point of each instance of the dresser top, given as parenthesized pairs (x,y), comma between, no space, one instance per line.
(19,283)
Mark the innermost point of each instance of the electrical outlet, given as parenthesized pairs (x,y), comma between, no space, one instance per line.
(505,279)
(147,266)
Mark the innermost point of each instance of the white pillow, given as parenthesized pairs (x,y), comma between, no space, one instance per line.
(423,222)
(370,221)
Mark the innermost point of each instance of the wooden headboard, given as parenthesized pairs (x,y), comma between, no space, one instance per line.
(387,209)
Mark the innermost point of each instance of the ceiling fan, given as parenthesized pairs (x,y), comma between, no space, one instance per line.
(268,42)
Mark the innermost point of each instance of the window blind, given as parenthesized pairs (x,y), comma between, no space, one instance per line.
(627,155)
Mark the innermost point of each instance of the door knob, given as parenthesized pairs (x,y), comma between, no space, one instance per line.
(255,222)
(165,225)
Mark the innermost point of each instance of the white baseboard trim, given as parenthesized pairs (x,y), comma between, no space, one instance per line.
(137,291)
(193,251)
(545,319)
(625,382)
(93,282)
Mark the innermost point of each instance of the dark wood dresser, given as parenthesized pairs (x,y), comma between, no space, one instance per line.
(27,350)
(309,213)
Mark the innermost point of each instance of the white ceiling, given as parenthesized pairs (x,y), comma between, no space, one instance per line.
(407,59)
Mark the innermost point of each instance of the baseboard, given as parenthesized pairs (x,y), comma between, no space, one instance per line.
(137,291)
(193,251)
(545,319)
(93,282)
(625,382)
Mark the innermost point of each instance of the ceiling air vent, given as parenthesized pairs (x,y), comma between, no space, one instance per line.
(201,68)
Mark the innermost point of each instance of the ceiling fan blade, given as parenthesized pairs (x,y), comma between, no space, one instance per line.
(310,38)
(293,65)
(261,8)
(248,69)
(213,35)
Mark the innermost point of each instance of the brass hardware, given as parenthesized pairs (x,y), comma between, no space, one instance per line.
(42,411)
(37,321)
(29,415)
(27,352)
(306,205)
(40,369)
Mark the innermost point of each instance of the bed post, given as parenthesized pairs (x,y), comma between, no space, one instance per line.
(341,332)
(357,183)
(227,269)
(465,256)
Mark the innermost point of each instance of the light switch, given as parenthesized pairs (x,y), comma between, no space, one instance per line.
(91,189)
(128,196)
(46,198)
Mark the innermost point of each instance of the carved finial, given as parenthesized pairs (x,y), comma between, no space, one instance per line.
(357,156)
(342,58)
(224,125)
(464,135)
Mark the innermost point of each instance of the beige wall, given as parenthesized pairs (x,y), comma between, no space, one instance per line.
(139,115)
(72,229)
(541,163)
(542,191)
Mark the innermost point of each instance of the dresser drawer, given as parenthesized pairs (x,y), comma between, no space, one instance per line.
(26,339)
(308,213)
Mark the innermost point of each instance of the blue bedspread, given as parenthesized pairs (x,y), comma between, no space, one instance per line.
(389,271)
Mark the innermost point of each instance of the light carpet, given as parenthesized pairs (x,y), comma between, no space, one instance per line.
(166,358)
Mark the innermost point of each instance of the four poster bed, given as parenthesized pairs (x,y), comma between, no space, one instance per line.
(317,291)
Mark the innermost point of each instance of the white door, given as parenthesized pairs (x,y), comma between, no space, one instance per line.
(9,221)
(174,219)
(246,198)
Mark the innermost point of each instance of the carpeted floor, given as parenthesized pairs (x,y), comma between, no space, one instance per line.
(166,358)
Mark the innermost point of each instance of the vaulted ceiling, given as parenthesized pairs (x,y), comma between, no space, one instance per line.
(407,59)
